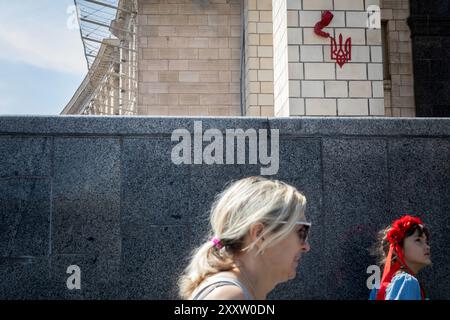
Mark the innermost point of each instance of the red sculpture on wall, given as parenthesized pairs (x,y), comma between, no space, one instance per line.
(340,52)
(327,16)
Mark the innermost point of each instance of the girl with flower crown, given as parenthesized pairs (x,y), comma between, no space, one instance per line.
(404,250)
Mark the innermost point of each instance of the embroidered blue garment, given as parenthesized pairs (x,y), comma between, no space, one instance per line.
(402,287)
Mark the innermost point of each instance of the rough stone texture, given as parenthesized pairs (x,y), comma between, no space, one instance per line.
(86,196)
(103,194)
(24,217)
(429,23)
(20,156)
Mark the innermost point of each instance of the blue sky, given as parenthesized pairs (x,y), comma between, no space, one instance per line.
(41,56)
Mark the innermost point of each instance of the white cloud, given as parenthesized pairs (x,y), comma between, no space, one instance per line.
(41,41)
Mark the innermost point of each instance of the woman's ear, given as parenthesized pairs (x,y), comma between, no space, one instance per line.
(256,230)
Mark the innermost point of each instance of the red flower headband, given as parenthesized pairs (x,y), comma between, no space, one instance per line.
(400,227)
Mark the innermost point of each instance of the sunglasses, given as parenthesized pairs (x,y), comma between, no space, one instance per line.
(303,232)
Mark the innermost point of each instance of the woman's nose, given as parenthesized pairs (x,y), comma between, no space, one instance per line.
(306,246)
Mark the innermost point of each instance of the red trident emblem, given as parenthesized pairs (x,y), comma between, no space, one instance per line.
(341,53)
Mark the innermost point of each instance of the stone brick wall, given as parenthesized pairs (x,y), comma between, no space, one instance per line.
(399,87)
(189,57)
(259,100)
(317,84)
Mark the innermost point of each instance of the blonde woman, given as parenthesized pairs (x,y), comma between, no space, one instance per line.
(259,233)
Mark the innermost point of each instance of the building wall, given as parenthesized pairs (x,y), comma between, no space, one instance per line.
(316,82)
(399,83)
(189,57)
(281,67)
(429,22)
(259,99)
(102,193)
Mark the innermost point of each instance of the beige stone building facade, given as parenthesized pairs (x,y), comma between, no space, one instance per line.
(252,58)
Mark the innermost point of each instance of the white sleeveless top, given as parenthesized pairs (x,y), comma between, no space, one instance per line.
(214,282)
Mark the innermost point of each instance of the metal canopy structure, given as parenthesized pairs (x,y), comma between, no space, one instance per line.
(108,31)
(95,20)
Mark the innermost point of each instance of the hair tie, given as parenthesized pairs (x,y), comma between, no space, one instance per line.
(217,242)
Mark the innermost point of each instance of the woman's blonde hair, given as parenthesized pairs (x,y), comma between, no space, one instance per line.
(234,211)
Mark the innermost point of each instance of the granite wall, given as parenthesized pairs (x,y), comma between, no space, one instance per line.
(102,193)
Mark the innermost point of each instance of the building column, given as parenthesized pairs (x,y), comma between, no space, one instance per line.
(430,31)
(258,75)
(318,86)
